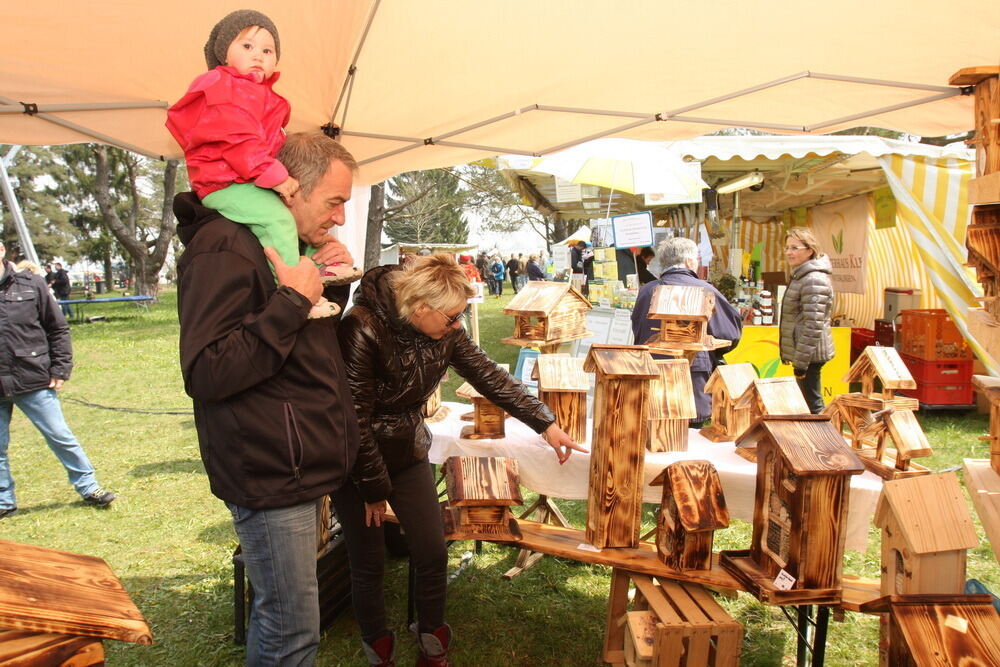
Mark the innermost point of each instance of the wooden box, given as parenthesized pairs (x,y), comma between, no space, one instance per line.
(55,607)
(547,314)
(671,406)
(618,445)
(937,630)
(800,511)
(683,312)
(926,531)
(563,386)
(487,417)
(480,489)
(726,385)
(672,623)
(692,509)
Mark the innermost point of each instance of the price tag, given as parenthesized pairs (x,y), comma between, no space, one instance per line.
(583,546)
(784,581)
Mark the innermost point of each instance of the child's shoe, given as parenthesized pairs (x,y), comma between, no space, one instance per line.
(323,308)
(339,274)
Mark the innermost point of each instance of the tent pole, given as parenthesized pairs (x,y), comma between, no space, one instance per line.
(27,247)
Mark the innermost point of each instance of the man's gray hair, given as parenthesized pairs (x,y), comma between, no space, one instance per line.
(307,156)
(672,252)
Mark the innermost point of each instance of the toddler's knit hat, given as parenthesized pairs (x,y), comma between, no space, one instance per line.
(226,30)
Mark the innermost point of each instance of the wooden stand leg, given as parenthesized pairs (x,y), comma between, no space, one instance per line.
(614,633)
(545,511)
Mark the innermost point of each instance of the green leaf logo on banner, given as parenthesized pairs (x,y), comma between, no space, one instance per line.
(770,368)
(838,241)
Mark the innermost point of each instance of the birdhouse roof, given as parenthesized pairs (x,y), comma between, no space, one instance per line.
(732,379)
(539,298)
(697,492)
(687,302)
(989,386)
(482,481)
(886,364)
(670,394)
(621,361)
(779,396)
(931,512)
(908,436)
(470,392)
(560,372)
(810,444)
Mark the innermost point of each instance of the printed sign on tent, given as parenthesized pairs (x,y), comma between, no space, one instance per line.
(634,230)
(842,231)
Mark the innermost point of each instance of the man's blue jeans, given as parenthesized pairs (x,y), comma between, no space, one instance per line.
(279,554)
(43,409)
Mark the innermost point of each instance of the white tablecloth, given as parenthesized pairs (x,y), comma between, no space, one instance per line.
(540,470)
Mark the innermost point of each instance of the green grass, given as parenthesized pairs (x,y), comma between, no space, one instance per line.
(170,540)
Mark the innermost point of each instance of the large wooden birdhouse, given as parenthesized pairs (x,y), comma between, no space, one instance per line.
(547,314)
(938,630)
(618,445)
(683,312)
(884,366)
(563,386)
(990,387)
(480,492)
(57,607)
(671,406)
(487,417)
(926,531)
(726,384)
(693,508)
(800,511)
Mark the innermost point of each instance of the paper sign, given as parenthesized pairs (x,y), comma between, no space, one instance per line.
(634,230)
(884,204)
(567,191)
(560,257)
(478,296)
(784,581)
(621,328)
(588,547)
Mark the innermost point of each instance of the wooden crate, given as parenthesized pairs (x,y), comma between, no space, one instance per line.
(671,624)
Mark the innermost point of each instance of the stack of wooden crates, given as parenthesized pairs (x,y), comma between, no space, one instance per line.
(938,357)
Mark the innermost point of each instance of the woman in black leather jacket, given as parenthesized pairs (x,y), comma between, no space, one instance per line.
(402,334)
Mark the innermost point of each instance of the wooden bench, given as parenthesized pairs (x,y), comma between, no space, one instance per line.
(671,624)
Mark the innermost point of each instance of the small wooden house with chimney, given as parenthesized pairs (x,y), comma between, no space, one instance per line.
(692,509)
(547,314)
(804,471)
(563,386)
(481,490)
(671,406)
(926,532)
(618,445)
(726,384)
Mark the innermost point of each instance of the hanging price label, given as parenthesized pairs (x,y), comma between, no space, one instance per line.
(784,581)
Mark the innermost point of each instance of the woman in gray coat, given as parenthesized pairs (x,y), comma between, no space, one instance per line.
(806,342)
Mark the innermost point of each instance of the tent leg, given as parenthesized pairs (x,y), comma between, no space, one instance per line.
(27,247)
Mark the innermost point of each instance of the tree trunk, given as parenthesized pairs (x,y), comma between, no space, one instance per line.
(373,235)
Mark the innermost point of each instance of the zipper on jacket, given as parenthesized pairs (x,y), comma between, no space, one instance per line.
(292,426)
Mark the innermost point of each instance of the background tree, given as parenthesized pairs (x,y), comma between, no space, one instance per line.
(425,207)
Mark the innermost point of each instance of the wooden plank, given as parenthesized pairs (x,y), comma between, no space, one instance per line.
(950,634)
(986,330)
(859,591)
(570,410)
(780,396)
(985,189)
(566,543)
(670,393)
(760,584)
(37,649)
(482,481)
(907,434)
(970,76)
(621,361)
(614,632)
(932,512)
(983,484)
(45,590)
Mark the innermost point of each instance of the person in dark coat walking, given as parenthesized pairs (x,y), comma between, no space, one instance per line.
(61,288)
(36,357)
(403,333)
(680,257)
(513,271)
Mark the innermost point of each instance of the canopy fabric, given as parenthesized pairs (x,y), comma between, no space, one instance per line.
(443,82)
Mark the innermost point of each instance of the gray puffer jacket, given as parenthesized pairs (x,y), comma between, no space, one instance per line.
(805,314)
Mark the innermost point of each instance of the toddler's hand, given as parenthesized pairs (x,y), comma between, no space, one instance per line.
(287,190)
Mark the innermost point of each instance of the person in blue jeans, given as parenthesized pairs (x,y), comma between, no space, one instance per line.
(36,357)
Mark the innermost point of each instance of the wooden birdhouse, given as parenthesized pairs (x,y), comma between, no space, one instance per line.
(800,511)
(563,386)
(57,607)
(884,366)
(770,397)
(938,630)
(487,417)
(727,383)
(990,387)
(671,406)
(618,445)
(480,492)
(547,314)
(683,312)
(926,531)
(692,509)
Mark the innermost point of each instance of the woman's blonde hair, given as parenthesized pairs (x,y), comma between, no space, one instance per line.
(806,238)
(436,280)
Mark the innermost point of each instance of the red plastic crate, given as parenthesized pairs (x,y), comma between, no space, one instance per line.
(931,335)
(930,393)
(860,339)
(957,371)
(885,333)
